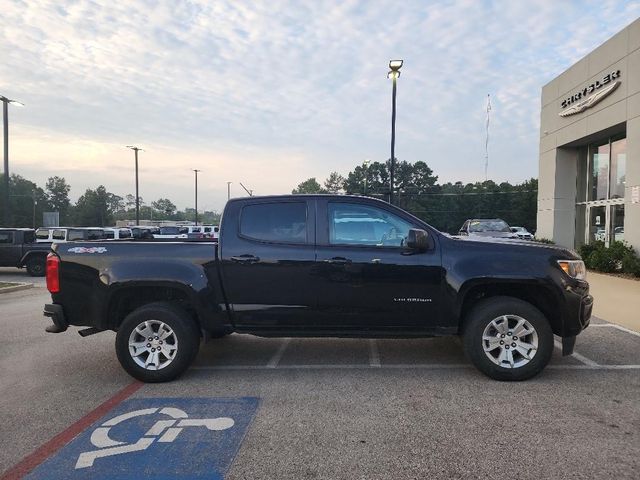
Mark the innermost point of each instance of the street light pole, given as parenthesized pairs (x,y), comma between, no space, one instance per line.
(195,170)
(394,73)
(228,191)
(136,150)
(5,119)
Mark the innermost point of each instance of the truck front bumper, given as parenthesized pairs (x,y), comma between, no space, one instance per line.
(56,314)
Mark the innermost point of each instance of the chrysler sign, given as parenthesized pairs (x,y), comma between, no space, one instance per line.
(590,95)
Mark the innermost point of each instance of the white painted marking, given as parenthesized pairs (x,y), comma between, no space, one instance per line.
(86,459)
(275,360)
(617,327)
(577,356)
(424,366)
(100,438)
(170,435)
(374,355)
(108,447)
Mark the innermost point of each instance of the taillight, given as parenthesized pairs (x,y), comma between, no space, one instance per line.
(53,273)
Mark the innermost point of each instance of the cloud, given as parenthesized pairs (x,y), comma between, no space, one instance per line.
(274,92)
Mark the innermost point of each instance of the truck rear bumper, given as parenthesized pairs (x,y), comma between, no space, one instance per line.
(56,314)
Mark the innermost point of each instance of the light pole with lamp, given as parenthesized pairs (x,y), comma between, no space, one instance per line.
(5,117)
(195,170)
(394,73)
(136,150)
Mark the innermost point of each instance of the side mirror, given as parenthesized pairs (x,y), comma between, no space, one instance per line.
(418,240)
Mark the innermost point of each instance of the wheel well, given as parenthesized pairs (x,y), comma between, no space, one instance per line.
(538,296)
(125,301)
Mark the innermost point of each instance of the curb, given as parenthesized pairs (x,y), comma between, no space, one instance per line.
(16,288)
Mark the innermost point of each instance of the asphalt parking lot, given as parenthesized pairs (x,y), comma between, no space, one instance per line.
(311,408)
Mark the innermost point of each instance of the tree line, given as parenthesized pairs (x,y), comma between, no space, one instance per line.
(95,207)
(445,206)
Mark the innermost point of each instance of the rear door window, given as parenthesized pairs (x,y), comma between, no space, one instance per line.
(275,222)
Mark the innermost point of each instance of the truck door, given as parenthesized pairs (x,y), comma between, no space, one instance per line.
(267,258)
(367,279)
(10,249)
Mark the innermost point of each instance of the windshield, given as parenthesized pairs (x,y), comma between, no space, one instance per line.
(488,226)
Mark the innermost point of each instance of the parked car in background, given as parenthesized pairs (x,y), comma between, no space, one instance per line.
(487,227)
(144,231)
(117,233)
(18,248)
(173,231)
(522,233)
(211,231)
(68,234)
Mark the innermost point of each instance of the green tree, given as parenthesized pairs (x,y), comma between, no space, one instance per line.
(57,190)
(165,206)
(310,185)
(334,183)
(97,207)
(27,201)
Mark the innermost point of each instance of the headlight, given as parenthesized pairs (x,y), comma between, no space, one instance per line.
(574,268)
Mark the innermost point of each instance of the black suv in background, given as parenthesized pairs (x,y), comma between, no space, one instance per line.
(18,248)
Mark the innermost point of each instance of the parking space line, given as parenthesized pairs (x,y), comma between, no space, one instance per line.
(374,354)
(34,459)
(577,356)
(273,363)
(617,327)
(424,366)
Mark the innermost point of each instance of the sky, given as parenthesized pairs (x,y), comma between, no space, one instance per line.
(270,93)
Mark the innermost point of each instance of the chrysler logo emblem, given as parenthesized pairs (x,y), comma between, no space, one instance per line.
(590,101)
(597,91)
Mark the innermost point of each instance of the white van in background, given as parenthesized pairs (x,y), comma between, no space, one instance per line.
(68,234)
(117,233)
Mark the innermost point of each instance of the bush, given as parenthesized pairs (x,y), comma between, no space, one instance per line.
(544,240)
(619,257)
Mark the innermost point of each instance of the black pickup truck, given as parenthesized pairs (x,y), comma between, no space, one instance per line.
(18,248)
(321,265)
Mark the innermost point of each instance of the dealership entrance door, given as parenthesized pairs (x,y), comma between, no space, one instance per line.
(601,184)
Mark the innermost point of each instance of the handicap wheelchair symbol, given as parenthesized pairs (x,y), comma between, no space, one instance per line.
(163,431)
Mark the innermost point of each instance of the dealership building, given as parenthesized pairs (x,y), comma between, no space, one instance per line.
(589,180)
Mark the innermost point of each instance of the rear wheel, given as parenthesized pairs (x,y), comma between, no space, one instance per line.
(508,339)
(157,342)
(36,266)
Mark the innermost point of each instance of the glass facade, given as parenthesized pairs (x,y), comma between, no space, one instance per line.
(600,196)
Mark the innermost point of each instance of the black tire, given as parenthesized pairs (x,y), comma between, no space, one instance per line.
(483,314)
(36,266)
(186,333)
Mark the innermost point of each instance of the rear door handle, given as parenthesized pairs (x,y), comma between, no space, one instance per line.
(337,261)
(245,259)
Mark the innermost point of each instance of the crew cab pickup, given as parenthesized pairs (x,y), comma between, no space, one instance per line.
(18,248)
(321,265)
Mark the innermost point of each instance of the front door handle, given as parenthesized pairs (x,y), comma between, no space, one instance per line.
(337,261)
(245,259)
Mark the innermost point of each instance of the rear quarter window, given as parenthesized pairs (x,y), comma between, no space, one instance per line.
(275,222)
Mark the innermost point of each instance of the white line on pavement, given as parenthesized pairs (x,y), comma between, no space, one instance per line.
(617,327)
(424,366)
(374,355)
(577,356)
(273,363)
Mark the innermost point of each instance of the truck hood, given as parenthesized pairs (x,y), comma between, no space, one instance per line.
(515,243)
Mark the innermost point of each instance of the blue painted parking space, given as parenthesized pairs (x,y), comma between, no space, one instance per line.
(159,438)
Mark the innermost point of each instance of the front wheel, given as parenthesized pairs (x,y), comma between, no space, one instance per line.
(157,342)
(508,339)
